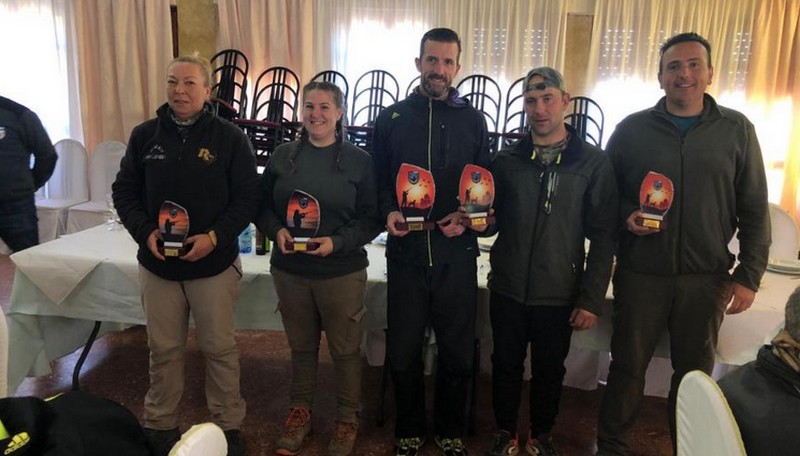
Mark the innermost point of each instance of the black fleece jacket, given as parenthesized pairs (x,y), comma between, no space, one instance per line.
(22,135)
(443,137)
(211,172)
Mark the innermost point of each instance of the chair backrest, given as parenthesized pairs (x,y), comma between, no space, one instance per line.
(229,85)
(785,236)
(705,423)
(411,85)
(334,77)
(372,92)
(103,168)
(205,439)
(484,95)
(70,179)
(276,95)
(516,122)
(587,117)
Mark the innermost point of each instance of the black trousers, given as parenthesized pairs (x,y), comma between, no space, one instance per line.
(444,297)
(547,330)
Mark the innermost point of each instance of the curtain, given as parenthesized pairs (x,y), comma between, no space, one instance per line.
(775,71)
(41,74)
(124,48)
(273,33)
(502,39)
(627,34)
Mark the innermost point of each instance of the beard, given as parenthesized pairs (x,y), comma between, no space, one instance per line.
(435,91)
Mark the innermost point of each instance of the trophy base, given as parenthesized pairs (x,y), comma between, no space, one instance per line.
(655,224)
(415,224)
(172,251)
(301,246)
(477,219)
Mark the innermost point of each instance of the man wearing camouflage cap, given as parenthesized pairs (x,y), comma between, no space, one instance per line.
(553,190)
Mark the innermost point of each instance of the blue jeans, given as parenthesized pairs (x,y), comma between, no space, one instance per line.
(19,226)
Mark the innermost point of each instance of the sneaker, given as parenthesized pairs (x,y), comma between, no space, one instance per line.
(235,442)
(161,441)
(343,438)
(408,446)
(504,444)
(451,447)
(541,446)
(296,428)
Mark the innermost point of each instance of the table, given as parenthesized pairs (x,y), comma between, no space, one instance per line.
(61,287)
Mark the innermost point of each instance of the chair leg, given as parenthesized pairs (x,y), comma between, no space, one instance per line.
(473,403)
(380,419)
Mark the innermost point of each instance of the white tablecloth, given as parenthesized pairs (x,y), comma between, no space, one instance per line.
(61,287)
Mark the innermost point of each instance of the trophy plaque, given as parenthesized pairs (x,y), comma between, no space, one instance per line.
(655,198)
(173,224)
(476,194)
(416,192)
(302,220)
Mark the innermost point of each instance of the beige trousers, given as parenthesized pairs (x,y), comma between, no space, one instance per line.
(167,305)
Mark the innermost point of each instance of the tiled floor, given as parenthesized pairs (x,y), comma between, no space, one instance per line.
(117,369)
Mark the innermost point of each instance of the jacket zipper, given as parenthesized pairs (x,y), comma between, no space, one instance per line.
(430,139)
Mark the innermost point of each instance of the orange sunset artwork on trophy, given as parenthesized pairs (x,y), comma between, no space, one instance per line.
(476,194)
(656,195)
(415,191)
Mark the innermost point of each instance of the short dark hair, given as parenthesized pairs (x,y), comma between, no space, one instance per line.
(687,37)
(443,35)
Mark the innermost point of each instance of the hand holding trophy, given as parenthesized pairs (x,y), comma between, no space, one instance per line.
(476,195)
(655,198)
(416,192)
(302,220)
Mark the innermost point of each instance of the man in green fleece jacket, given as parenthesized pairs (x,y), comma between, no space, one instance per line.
(681,277)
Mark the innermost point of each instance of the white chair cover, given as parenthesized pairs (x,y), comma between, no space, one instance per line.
(103,168)
(205,439)
(785,237)
(705,423)
(67,187)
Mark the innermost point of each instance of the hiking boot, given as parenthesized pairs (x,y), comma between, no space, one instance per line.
(235,442)
(451,447)
(161,441)
(541,446)
(504,444)
(343,438)
(408,446)
(295,430)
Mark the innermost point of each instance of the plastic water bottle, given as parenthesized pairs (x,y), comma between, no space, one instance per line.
(246,240)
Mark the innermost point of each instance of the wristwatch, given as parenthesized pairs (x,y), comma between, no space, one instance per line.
(213,236)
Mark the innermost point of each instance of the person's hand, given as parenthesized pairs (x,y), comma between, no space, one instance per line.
(201,246)
(451,225)
(636,229)
(582,319)
(152,244)
(392,220)
(740,299)
(282,238)
(325,246)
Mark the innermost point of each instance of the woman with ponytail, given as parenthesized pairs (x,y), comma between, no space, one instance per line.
(323,288)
